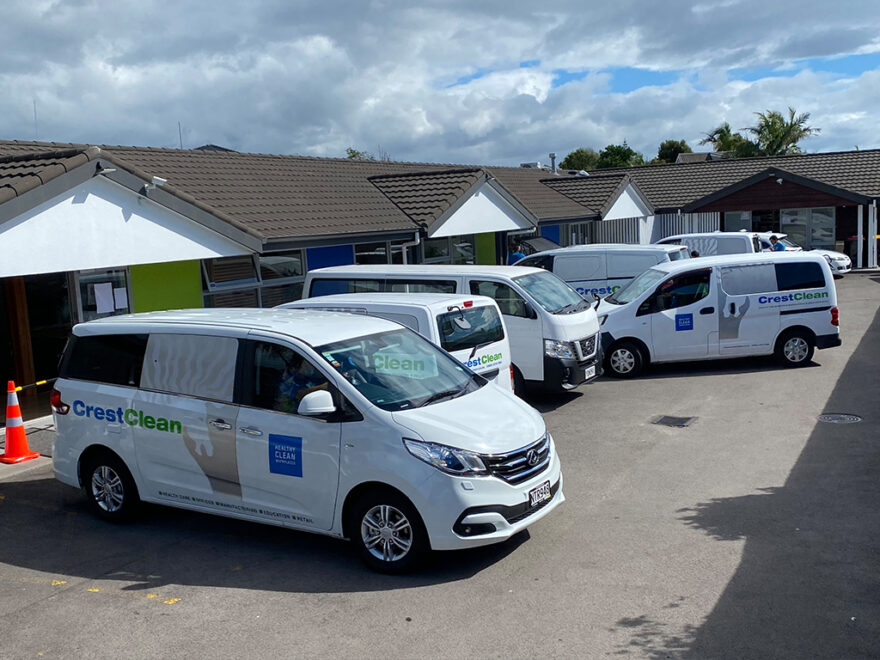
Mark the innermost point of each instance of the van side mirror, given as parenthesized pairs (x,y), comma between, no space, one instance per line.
(530,312)
(319,402)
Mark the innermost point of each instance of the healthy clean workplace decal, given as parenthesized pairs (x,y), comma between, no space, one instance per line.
(285,455)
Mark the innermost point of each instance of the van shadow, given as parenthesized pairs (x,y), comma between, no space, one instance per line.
(47,527)
(545,402)
(744,365)
(808,584)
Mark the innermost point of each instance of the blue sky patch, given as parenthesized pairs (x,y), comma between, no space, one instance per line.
(623,79)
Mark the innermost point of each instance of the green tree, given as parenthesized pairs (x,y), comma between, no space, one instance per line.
(619,155)
(669,150)
(580,159)
(724,139)
(776,135)
(354,154)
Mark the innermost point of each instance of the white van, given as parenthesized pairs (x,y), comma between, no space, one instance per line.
(305,419)
(600,269)
(470,329)
(713,243)
(553,331)
(718,307)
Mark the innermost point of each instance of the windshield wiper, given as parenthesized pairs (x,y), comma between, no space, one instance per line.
(451,394)
(478,346)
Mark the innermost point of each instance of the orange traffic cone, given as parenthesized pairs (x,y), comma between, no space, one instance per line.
(17,449)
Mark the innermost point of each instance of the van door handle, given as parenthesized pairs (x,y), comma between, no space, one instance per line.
(707,310)
(249,431)
(733,308)
(220,424)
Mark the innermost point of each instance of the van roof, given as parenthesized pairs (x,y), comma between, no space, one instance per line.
(735,259)
(431,300)
(712,234)
(400,270)
(612,247)
(311,326)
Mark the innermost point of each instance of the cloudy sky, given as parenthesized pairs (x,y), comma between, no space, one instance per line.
(491,82)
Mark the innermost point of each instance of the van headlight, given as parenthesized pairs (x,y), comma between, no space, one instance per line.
(459,462)
(559,349)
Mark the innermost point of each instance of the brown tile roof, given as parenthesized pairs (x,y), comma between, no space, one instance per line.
(597,192)
(22,172)
(425,196)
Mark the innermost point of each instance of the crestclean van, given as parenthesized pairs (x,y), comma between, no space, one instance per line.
(719,307)
(714,243)
(600,269)
(553,331)
(469,329)
(318,421)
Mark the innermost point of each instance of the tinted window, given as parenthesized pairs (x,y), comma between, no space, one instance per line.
(196,365)
(743,280)
(113,359)
(509,301)
(544,261)
(469,328)
(420,286)
(277,377)
(799,275)
(330,287)
(682,290)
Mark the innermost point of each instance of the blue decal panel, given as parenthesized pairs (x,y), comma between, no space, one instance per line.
(684,322)
(285,455)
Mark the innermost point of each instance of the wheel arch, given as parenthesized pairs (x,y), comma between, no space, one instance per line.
(373,486)
(96,450)
(646,352)
(793,328)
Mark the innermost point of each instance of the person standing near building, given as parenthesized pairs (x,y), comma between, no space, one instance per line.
(515,254)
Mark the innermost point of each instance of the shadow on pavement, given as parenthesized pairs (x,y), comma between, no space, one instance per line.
(808,584)
(45,526)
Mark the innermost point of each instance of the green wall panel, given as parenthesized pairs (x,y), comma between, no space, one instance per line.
(485,249)
(175,285)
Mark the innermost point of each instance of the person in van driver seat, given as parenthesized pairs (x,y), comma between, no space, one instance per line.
(776,245)
(298,379)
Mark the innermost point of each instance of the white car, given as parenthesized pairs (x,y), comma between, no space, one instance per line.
(840,263)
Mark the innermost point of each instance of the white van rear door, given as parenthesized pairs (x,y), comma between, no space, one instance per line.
(684,319)
(476,337)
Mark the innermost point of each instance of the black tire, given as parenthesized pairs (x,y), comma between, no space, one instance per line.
(109,487)
(794,348)
(625,359)
(519,383)
(399,540)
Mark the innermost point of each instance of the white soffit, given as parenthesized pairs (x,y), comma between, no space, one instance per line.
(101,224)
(484,211)
(628,204)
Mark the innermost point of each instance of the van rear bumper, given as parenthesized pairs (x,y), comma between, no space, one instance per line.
(828,341)
(566,374)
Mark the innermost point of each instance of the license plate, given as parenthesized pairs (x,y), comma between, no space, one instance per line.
(590,372)
(539,494)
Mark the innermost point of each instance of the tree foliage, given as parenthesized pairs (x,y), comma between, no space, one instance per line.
(772,135)
(580,159)
(669,150)
(355,154)
(619,155)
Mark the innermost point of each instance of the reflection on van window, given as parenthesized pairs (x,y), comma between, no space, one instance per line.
(644,282)
(683,290)
(461,329)
(399,369)
(420,286)
(333,286)
(551,293)
(280,378)
(744,280)
(509,301)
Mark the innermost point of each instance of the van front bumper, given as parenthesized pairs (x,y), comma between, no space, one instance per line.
(568,373)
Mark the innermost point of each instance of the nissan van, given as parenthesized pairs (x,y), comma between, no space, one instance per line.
(714,243)
(600,269)
(553,331)
(354,427)
(718,307)
(470,329)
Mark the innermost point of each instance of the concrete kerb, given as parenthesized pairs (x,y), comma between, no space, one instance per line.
(40,435)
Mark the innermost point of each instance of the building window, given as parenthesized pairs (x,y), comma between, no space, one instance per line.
(450,250)
(102,292)
(253,281)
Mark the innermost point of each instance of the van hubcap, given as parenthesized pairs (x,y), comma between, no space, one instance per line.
(622,361)
(386,533)
(107,489)
(796,349)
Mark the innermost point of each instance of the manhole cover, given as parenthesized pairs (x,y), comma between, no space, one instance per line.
(668,420)
(839,418)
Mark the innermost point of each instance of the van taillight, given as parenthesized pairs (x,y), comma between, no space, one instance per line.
(512,379)
(57,404)
(468,303)
(835,316)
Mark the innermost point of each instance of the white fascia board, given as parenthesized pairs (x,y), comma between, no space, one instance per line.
(484,211)
(101,224)
(629,204)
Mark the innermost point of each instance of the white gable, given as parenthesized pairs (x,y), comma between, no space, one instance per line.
(629,204)
(484,211)
(101,224)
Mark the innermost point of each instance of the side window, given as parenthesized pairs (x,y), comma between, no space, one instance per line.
(111,359)
(276,377)
(509,301)
(682,290)
(544,261)
(329,287)
(196,365)
(670,241)
(420,286)
(744,280)
(732,245)
(799,275)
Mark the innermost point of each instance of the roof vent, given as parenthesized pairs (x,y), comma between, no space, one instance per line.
(583,173)
(536,165)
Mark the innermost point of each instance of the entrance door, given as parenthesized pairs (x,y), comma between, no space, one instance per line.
(811,228)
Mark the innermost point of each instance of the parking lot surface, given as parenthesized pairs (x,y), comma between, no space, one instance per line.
(750,533)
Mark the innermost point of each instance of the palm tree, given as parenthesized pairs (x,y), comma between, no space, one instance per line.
(775,135)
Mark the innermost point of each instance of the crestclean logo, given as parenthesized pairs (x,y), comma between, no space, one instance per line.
(483,360)
(601,291)
(792,297)
(128,416)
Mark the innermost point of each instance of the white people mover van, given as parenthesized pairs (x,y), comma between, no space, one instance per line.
(600,269)
(318,421)
(553,331)
(718,307)
(470,329)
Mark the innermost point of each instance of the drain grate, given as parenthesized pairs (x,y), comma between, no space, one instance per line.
(669,420)
(839,418)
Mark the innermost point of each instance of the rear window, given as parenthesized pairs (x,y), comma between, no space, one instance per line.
(111,359)
(333,286)
(800,275)
(469,328)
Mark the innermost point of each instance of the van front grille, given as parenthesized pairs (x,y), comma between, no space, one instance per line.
(522,464)
(588,347)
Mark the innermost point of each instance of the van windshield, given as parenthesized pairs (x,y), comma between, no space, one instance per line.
(636,287)
(552,293)
(467,328)
(399,369)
